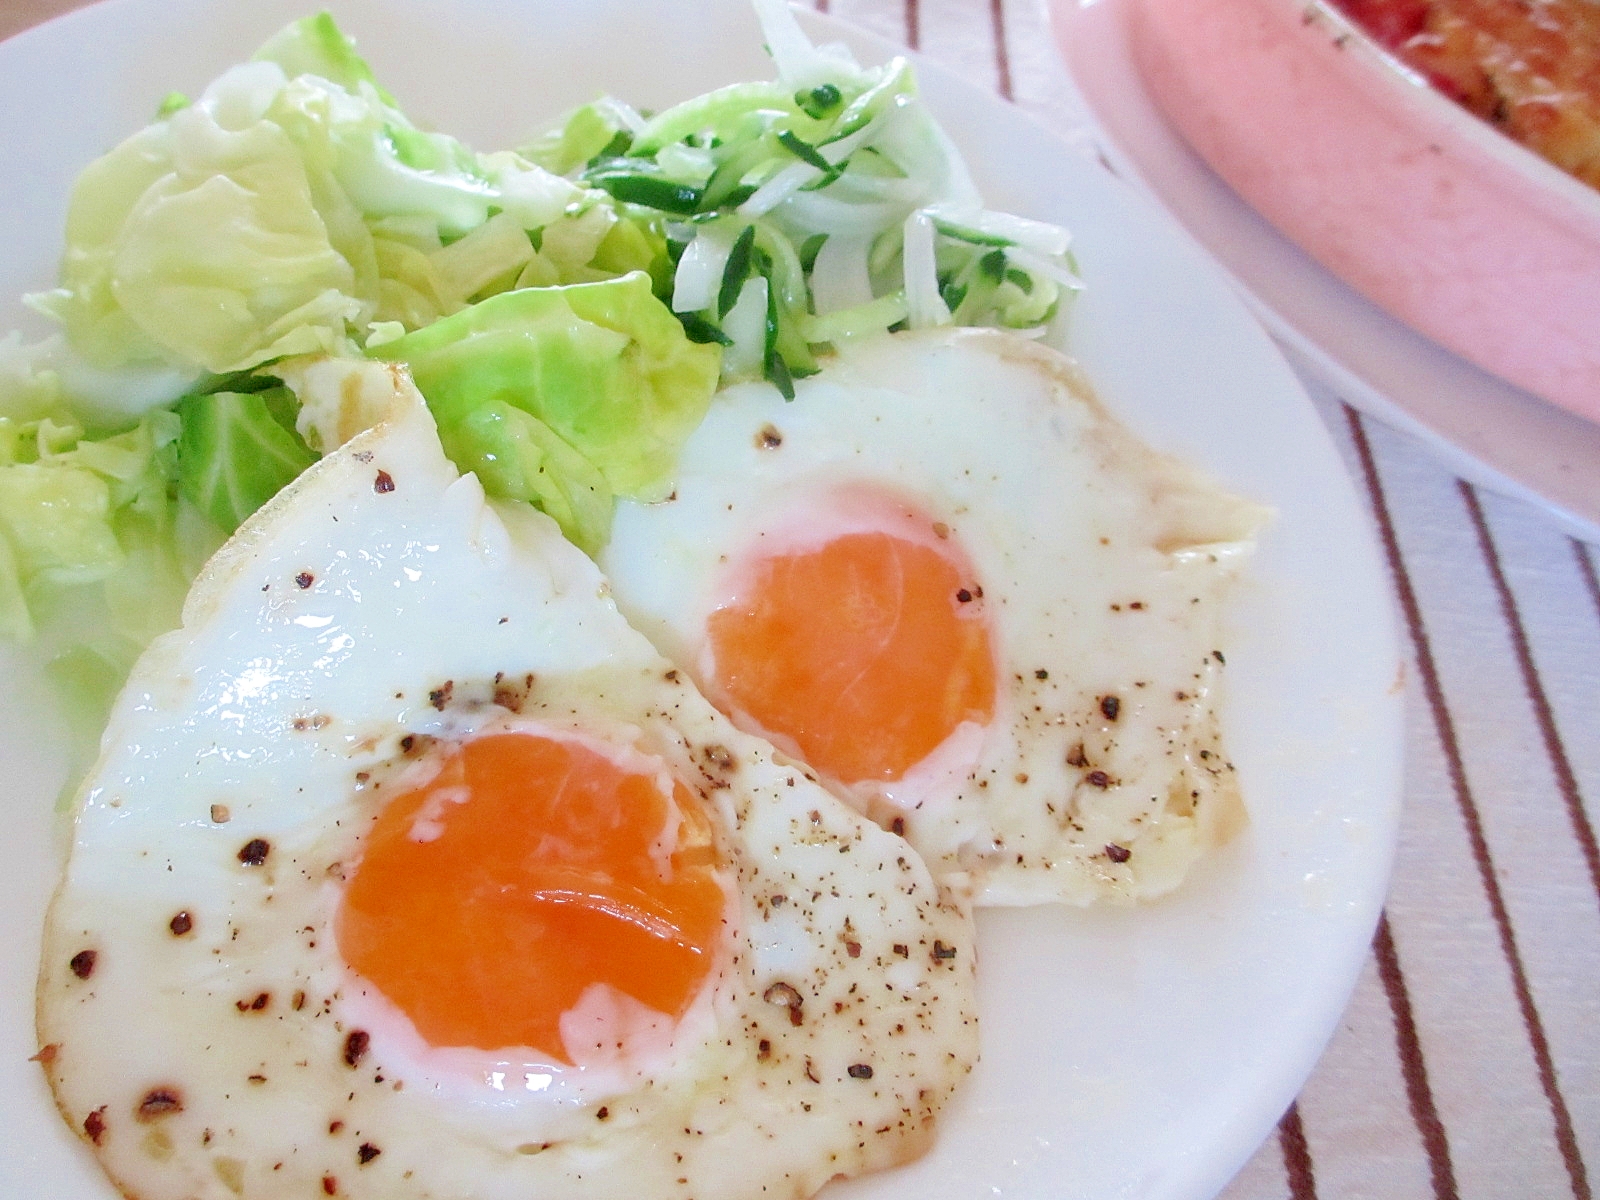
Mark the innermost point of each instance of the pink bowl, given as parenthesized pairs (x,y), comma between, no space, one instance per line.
(1432,214)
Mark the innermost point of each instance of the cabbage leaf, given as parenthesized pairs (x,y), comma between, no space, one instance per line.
(564,396)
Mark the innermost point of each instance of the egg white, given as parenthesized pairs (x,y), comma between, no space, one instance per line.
(382,598)
(1104,567)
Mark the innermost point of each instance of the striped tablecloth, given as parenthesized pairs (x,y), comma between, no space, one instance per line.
(1468,1063)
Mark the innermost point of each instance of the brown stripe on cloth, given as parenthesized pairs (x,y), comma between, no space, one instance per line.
(1297,1156)
(1413,1065)
(1566,1136)
(1555,748)
(1002,57)
(1427,671)
(913,24)
(1586,568)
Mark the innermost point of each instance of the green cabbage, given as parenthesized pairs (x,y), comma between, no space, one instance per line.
(237,450)
(282,212)
(96,550)
(564,396)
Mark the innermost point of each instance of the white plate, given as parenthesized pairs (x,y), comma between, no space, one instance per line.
(1486,430)
(1126,1053)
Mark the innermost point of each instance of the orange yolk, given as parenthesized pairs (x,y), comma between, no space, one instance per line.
(489,899)
(867,653)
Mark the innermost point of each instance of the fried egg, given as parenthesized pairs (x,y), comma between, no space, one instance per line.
(410,870)
(972,602)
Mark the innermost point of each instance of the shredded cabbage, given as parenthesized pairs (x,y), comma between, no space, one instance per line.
(832,184)
(567,307)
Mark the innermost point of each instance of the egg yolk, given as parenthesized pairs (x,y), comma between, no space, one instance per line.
(866,652)
(528,869)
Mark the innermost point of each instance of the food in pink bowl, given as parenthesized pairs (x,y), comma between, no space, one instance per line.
(1356,147)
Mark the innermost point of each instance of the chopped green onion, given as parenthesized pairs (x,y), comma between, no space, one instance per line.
(735,271)
(993,265)
(804,151)
(819,101)
(976,237)
(809,249)
(698,329)
(652,191)
(615,148)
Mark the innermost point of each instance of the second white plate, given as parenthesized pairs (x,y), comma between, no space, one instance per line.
(1486,430)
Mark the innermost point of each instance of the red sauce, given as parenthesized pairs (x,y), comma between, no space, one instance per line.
(1529,67)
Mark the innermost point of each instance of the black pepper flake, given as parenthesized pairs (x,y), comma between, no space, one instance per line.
(1217,654)
(159,1102)
(355,1046)
(943,953)
(898,827)
(903,950)
(384,483)
(769,438)
(1041,673)
(304,580)
(1118,854)
(963,596)
(181,924)
(414,745)
(335,1126)
(785,995)
(859,1071)
(367,1152)
(853,949)
(602,1113)
(255,1003)
(763,1050)
(512,694)
(254,852)
(82,963)
(440,696)
(719,757)
(330,1185)
(1077,756)
(1110,706)
(1098,779)
(94,1125)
